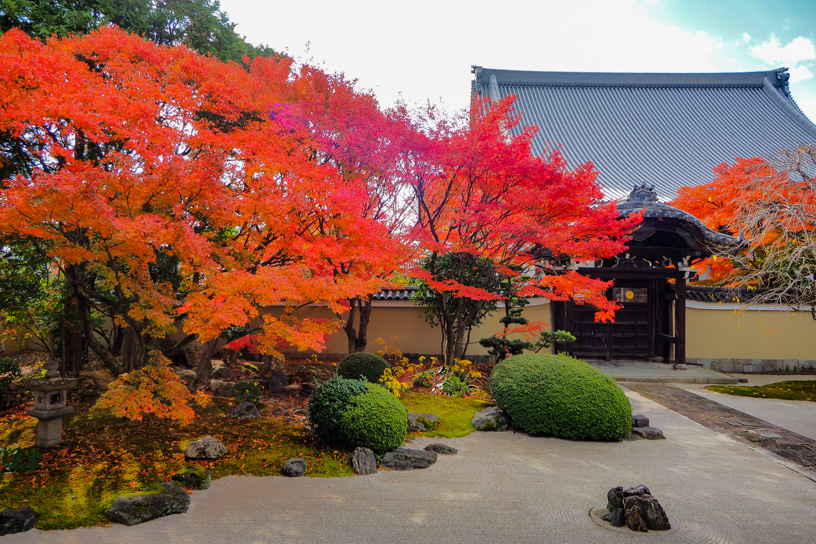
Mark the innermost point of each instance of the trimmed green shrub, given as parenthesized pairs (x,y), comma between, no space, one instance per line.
(362,365)
(556,395)
(327,404)
(375,420)
(351,413)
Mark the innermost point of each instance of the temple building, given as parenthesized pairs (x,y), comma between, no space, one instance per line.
(648,135)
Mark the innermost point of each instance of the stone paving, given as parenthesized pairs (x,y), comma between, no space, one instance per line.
(643,371)
(756,432)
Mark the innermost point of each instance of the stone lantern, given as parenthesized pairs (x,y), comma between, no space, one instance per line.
(50,404)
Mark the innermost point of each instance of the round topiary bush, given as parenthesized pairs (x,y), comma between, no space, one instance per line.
(556,395)
(327,404)
(350,413)
(369,366)
(376,420)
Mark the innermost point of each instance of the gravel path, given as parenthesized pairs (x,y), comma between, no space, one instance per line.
(504,488)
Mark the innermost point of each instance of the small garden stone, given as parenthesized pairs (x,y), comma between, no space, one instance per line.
(205,448)
(308,388)
(443,449)
(640,421)
(420,423)
(140,508)
(491,419)
(17,520)
(222,372)
(220,388)
(193,477)
(649,433)
(185,375)
(277,381)
(292,389)
(294,467)
(363,461)
(614,499)
(245,410)
(408,459)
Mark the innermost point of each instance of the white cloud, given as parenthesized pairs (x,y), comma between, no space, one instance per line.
(800,73)
(425,52)
(797,50)
(744,39)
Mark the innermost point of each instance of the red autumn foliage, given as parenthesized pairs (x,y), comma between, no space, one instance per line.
(771,204)
(480,190)
(160,182)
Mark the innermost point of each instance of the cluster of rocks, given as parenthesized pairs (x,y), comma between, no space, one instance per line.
(641,429)
(222,377)
(636,509)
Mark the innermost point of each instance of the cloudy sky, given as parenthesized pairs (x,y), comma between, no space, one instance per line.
(423,50)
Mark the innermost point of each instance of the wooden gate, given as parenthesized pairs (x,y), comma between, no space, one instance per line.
(641,330)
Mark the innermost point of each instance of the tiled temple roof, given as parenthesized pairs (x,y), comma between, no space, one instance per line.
(668,130)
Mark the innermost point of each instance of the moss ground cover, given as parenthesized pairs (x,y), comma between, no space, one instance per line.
(103,457)
(791,390)
(454,413)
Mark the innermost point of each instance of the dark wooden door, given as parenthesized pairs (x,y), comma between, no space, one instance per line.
(632,334)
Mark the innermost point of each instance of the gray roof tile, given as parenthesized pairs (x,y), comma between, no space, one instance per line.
(668,130)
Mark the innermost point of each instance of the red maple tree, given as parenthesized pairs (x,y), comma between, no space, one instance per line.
(478,189)
(162,183)
(771,205)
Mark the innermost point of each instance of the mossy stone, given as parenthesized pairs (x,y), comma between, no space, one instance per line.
(193,477)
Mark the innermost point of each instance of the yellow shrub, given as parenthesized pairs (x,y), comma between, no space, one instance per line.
(154,389)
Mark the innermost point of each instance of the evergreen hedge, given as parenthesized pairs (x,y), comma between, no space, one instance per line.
(556,395)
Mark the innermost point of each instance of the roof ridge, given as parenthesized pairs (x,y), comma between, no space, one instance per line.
(630,79)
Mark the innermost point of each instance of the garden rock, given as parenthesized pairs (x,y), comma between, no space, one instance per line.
(277,381)
(17,520)
(220,388)
(635,508)
(363,461)
(443,449)
(245,410)
(193,353)
(206,448)
(140,508)
(308,388)
(419,423)
(649,433)
(185,375)
(640,421)
(408,459)
(491,419)
(294,467)
(193,477)
(222,372)
(292,389)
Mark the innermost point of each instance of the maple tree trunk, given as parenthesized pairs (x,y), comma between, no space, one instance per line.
(76,276)
(357,335)
(73,341)
(204,369)
(130,350)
